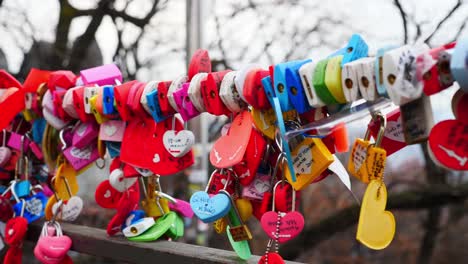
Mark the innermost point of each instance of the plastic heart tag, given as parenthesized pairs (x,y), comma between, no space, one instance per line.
(225,154)
(448,142)
(158,229)
(15,230)
(241,248)
(376,227)
(112,130)
(178,144)
(182,207)
(210,209)
(106,196)
(33,207)
(70,210)
(271,258)
(291,224)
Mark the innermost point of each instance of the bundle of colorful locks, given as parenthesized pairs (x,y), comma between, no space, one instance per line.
(57,124)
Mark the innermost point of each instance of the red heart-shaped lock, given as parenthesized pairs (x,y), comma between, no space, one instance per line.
(34,79)
(136,109)
(210,93)
(143,147)
(200,62)
(121,96)
(78,102)
(164,105)
(127,203)
(254,93)
(15,230)
(448,142)
(6,210)
(14,255)
(271,258)
(106,196)
(248,167)
(290,225)
(224,153)
(284,198)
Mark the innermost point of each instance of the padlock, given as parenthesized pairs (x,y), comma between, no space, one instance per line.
(108,74)
(79,158)
(282,226)
(319,84)
(399,72)
(112,130)
(358,156)
(355,49)
(68,103)
(394,138)
(200,62)
(175,85)
(133,101)
(459,65)
(57,99)
(229,94)
(149,87)
(194,91)
(254,94)
(108,102)
(310,159)
(164,104)
(152,100)
(280,83)
(296,91)
(53,245)
(307,74)
(378,68)
(78,102)
(417,120)
(121,96)
(365,74)
(160,227)
(333,78)
(433,69)
(238,230)
(210,92)
(252,158)
(350,80)
(260,184)
(138,227)
(84,133)
(186,108)
(15,230)
(89,92)
(240,78)
(153,204)
(61,80)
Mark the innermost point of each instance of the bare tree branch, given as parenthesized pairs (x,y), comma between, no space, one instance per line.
(404,20)
(441,22)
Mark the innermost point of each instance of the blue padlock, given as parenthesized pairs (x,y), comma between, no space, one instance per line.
(355,49)
(153,104)
(459,64)
(379,78)
(295,89)
(22,188)
(270,92)
(108,107)
(38,128)
(32,207)
(280,85)
(113,148)
(133,217)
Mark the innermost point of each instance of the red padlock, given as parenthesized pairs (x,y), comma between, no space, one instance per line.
(164,105)
(135,109)
(283,197)
(61,79)
(78,102)
(35,78)
(58,108)
(254,93)
(219,181)
(200,62)
(210,92)
(121,96)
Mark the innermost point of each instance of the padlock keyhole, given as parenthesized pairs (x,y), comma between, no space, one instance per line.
(293,90)
(349,83)
(365,81)
(391,78)
(280,87)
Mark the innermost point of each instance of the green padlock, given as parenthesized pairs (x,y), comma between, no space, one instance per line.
(176,230)
(162,225)
(242,248)
(319,83)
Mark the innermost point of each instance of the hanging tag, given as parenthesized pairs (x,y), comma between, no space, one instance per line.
(199,63)
(224,154)
(254,94)
(33,207)
(186,109)
(210,91)
(241,248)
(107,74)
(178,143)
(417,120)
(448,143)
(112,130)
(310,158)
(319,83)
(209,209)
(121,96)
(458,64)
(307,74)
(376,227)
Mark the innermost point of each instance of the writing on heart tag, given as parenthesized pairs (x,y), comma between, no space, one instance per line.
(291,224)
(376,227)
(224,154)
(178,143)
(69,210)
(209,209)
(448,142)
(81,157)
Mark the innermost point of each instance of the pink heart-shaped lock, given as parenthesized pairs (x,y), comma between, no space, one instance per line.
(186,108)
(182,207)
(290,225)
(52,245)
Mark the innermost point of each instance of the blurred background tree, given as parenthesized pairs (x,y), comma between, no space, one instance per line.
(149,40)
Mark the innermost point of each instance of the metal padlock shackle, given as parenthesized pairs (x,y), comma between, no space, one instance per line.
(383,124)
(17,199)
(156,192)
(233,206)
(62,140)
(221,171)
(58,228)
(4,137)
(293,207)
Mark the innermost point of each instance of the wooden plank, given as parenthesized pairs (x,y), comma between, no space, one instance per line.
(94,241)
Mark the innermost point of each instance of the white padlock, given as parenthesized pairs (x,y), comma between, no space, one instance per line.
(139,227)
(350,81)
(306,72)
(194,91)
(175,85)
(229,94)
(150,87)
(89,92)
(365,71)
(240,78)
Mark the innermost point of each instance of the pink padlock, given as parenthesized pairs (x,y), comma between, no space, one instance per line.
(186,108)
(84,133)
(36,150)
(182,207)
(53,245)
(68,103)
(81,157)
(108,74)
(15,142)
(112,130)
(256,189)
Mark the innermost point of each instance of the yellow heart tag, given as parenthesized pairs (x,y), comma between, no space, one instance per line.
(265,120)
(244,206)
(310,158)
(376,227)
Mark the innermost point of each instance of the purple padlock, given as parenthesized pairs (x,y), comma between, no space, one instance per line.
(84,133)
(108,74)
(15,142)
(186,108)
(81,157)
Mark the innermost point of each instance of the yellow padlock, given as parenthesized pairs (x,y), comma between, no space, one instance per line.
(310,158)
(265,120)
(333,79)
(98,116)
(153,204)
(65,183)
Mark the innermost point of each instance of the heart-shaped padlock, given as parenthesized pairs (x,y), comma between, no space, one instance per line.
(106,196)
(209,209)
(69,210)
(52,245)
(15,230)
(271,258)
